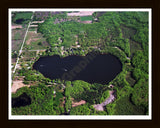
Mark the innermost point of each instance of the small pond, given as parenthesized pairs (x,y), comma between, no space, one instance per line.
(22,100)
(19,21)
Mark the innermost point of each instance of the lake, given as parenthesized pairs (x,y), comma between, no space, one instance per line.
(92,68)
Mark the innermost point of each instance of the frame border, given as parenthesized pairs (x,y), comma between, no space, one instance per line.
(86,117)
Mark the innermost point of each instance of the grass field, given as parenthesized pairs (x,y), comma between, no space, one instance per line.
(129,33)
(16,44)
(27,55)
(17,38)
(32,29)
(38,44)
(134,46)
(35,41)
(86,18)
(22,15)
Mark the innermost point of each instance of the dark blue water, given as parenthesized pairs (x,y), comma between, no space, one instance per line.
(92,68)
(20,21)
(22,100)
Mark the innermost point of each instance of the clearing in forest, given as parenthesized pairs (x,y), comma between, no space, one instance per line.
(81,13)
(17,85)
(35,41)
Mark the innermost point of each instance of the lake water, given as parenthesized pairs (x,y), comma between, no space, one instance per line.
(92,68)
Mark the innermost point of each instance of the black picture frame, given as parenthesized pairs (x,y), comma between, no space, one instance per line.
(153,4)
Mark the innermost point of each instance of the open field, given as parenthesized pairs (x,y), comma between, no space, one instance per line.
(86,18)
(134,46)
(81,13)
(17,38)
(17,85)
(16,26)
(35,41)
(40,16)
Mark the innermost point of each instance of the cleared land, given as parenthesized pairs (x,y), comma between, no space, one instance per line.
(17,85)
(35,41)
(16,26)
(81,13)
(17,38)
(74,104)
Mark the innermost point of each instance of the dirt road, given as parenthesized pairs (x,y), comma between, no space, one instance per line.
(110,99)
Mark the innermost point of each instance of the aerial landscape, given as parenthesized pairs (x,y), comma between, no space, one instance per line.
(80,63)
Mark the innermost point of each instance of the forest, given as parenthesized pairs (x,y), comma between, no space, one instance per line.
(122,34)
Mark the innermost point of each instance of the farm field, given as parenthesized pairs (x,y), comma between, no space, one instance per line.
(35,41)
(17,38)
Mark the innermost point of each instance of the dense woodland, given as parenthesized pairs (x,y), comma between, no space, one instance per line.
(123,34)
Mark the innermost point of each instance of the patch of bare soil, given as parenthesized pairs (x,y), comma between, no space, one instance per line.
(16,26)
(17,85)
(28,41)
(19,78)
(86,22)
(13,60)
(37,21)
(32,36)
(18,66)
(99,107)
(81,13)
(74,104)
(33,25)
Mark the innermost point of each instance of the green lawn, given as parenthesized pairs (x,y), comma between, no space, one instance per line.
(86,18)
(32,29)
(36,45)
(17,36)
(23,15)
(29,54)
